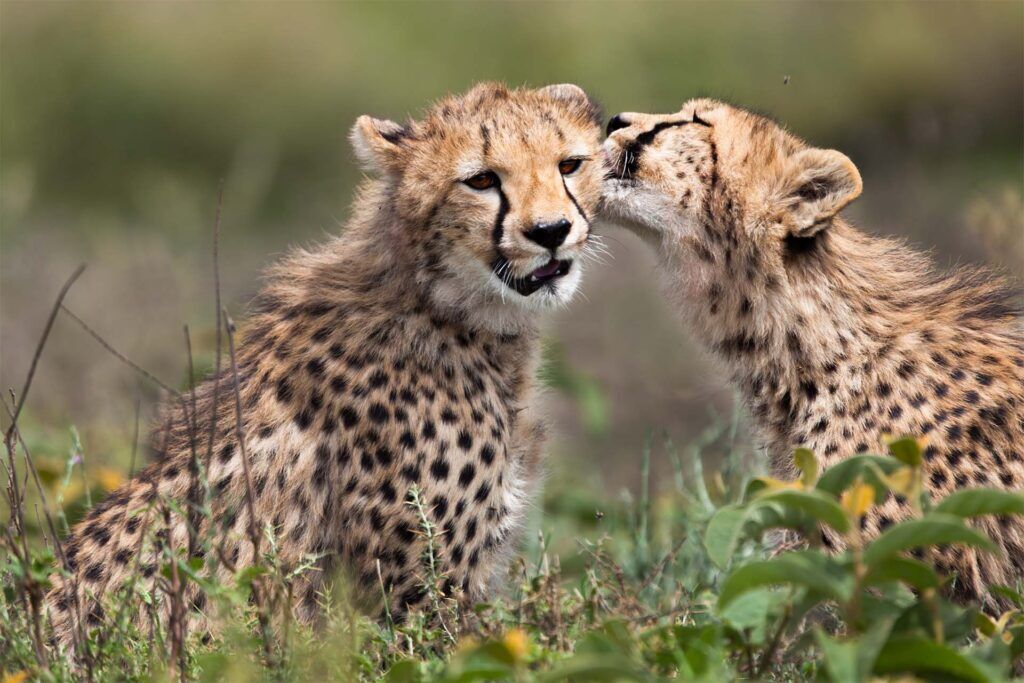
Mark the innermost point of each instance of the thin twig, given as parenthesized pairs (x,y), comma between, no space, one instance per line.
(250,496)
(135,438)
(117,354)
(42,342)
(217,320)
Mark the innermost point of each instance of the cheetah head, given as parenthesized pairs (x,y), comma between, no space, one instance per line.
(722,188)
(495,190)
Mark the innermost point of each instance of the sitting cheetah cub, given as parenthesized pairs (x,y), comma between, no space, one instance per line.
(834,337)
(399,355)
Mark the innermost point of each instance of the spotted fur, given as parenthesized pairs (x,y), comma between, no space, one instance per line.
(396,355)
(836,338)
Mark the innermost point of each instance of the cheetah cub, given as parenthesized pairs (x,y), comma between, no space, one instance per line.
(399,355)
(834,337)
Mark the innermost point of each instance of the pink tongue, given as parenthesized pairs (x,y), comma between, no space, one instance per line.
(546,270)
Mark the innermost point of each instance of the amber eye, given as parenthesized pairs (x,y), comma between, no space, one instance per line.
(482,181)
(569,166)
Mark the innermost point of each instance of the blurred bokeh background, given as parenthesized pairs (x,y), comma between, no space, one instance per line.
(119,120)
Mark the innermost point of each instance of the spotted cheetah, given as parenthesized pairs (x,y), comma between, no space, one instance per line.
(834,337)
(401,354)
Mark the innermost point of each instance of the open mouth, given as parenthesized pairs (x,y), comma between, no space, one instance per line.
(535,279)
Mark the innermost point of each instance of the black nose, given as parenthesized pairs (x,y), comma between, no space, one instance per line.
(549,235)
(616,123)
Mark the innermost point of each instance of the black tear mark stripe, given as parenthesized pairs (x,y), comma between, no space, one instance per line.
(647,137)
(485,133)
(575,203)
(499,221)
(634,148)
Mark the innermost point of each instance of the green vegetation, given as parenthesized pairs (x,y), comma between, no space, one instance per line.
(683,583)
(119,122)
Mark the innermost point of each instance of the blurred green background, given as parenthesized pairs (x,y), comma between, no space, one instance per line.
(119,120)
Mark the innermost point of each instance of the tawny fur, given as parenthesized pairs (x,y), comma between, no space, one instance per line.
(835,338)
(389,357)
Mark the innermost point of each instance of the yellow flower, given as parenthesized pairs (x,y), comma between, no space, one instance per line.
(901,481)
(856,500)
(16,677)
(109,478)
(517,643)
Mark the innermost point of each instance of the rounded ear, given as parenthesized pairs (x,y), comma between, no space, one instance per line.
(377,143)
(818,183)
(575,96)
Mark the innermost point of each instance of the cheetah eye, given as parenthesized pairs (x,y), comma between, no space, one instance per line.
(482,181)
(569,166)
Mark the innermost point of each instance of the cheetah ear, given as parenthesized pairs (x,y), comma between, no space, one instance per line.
(818,183)
(576,97)
(377,143)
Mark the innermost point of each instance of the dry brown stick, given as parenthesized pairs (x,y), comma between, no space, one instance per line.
(16,501)
(250,496)
(217,319)
(656,571)
(135,438)
(42,342)
(176,591)
(194,506)
(28,590)
(117,354)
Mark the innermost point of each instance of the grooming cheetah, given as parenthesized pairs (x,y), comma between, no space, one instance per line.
(400,354)
(835,338)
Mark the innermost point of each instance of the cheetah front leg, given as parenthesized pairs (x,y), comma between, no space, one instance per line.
(524,480)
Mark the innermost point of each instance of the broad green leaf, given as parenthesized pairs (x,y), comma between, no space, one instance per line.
(808,466)
(821,507)
(750,611)
(918,655)
(594,667)
(840,658)
(723,533)
(843,474)
(976,502)
(404,671)
(805,569)
(905,570)
(934,529)
(870,644)
(907,450)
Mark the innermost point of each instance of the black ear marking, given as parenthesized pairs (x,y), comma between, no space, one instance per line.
(395,136)
(698,120)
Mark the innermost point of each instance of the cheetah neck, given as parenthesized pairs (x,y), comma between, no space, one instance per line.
(824,327)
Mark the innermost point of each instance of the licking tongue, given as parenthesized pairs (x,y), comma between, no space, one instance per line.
(547,270)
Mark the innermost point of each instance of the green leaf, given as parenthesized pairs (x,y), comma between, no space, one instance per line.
(934,529)
(749,612)
(976,502)
(870,644)
(907,450)
(843,474)
(594,667)
(807,464)
(905,570)
(723,533)
(918,655)
(403,671)
(806,569)
(840,658)
(818,505)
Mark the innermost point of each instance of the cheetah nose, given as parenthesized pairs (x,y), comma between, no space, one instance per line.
(549,235)
(616,123)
